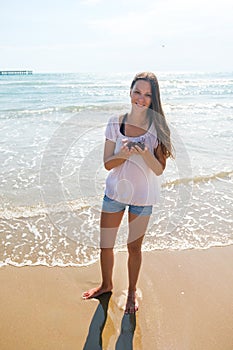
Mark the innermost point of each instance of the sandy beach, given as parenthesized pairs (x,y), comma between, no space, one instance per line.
(186,303)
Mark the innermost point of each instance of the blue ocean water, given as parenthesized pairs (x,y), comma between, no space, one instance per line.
(51,171)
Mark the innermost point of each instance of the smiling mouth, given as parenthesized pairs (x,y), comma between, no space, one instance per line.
(139,105)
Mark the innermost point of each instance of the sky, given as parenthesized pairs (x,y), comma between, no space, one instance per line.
(116,36)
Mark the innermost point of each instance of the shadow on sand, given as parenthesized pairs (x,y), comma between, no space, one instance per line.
(94,338)
(128,325)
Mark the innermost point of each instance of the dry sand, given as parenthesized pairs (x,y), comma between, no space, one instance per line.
(186,304)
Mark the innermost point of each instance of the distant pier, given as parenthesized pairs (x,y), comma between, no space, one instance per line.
(15,72)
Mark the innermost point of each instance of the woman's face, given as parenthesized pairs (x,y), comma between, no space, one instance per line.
(141,95)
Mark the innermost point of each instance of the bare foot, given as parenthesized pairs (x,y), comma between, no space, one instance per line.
(95,292)
(132,303)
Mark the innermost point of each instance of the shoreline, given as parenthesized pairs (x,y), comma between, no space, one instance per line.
(185,303)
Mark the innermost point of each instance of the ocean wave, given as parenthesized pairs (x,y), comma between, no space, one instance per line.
(199,179)
(145,248)
(41,210)
(17,113)
(108,106)
(81,204)
(43,262)
(198,106)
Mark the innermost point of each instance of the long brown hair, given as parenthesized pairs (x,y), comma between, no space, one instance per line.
(155,112)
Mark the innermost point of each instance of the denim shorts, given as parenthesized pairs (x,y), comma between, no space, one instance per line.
(112,206)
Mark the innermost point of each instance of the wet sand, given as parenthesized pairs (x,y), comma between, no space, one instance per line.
(186,303)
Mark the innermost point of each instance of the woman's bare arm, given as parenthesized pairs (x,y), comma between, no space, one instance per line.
(160,156)
(156,162)
(112,160)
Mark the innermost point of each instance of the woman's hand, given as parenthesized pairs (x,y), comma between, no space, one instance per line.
(156,161)
(126,151)
(112,160)
(140,150)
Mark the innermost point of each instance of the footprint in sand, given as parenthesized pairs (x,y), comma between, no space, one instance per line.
(121,299)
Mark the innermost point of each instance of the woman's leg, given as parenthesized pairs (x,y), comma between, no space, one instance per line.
(137,229)
(109,224)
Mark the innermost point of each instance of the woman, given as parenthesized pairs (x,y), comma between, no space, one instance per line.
(136,148)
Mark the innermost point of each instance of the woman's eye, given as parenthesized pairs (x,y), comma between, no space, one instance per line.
(138,93)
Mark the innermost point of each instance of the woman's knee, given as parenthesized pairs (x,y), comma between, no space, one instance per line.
(134,247)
